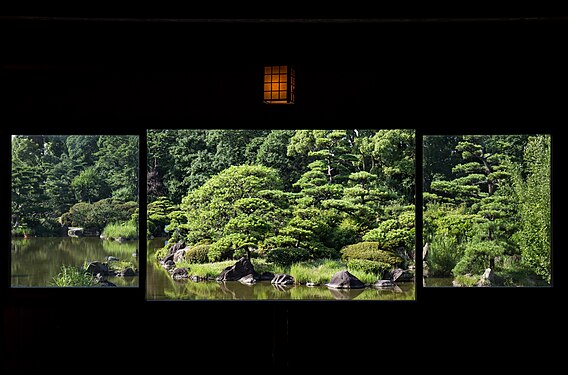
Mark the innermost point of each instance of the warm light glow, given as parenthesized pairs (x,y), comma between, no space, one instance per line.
(279,85)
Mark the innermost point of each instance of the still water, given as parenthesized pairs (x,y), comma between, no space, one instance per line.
(160,286)
(35,261)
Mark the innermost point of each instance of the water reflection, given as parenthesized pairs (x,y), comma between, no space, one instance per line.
(36,261)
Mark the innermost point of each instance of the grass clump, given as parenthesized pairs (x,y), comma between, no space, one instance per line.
(73,276)
(127,231)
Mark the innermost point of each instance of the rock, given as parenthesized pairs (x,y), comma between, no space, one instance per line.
(241,268)
(197,278)
(384,284)
(487,279)
(120,239)
(111,258)
(168,258)
(266,276)
(345,280)
(309,283)
(180,255)
(178,246)
(127,272)
(248,279)
(180,273)
(169,264)
(400,275)
(97,267)
(282,279)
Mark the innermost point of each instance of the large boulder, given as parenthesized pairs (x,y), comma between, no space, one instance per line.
(241,268)
(345,280)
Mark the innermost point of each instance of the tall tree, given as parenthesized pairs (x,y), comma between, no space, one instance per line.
(532,190)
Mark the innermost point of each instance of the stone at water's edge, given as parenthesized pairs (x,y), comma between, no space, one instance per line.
(282,279)
(241,268)
(180,273)
(399,274)
(97,267)
(384,284)
(248,279)
(266,276)
(345,280)
(180,255)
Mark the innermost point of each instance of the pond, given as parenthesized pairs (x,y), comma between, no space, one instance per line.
(35,261)
(160,286)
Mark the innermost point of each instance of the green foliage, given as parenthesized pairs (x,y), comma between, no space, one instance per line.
(444,254)
(99,214)
(197,254)
(533,195)
(477,257)
(159,216)
(226,246)
(73,276)
(88,185)
(370,251)
(50,174)
(252,191)
(285,256)
(369,266)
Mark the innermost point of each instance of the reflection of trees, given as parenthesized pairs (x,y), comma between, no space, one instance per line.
(117,248)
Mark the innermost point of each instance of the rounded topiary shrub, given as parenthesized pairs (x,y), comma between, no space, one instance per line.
(197,254)
(287,255)
(370,251)
(369,266)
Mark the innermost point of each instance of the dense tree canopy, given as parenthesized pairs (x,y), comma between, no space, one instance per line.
(487,205)
(57,175)
(286,194)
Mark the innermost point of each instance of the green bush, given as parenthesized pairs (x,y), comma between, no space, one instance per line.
(370,251)
(368,266)
(98,214)
(197,254)
(285,256)
(225,248)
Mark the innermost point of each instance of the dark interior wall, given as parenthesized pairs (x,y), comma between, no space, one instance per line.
(109,76)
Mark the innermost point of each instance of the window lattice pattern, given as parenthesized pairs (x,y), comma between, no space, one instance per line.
(279,84)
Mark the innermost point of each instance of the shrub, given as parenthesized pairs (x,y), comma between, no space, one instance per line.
(443,255)
(370,251)
(226,246)
(368,266)
(197,254)
(285,256)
